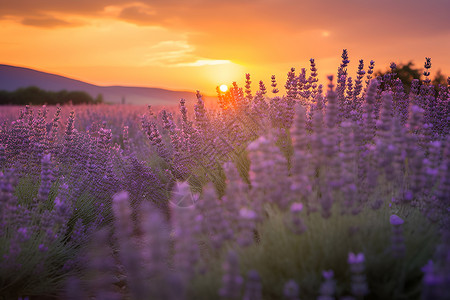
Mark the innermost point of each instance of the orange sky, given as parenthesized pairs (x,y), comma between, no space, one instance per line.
(200,44)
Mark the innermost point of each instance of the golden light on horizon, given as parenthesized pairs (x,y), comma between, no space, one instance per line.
(223,88)
(166,44)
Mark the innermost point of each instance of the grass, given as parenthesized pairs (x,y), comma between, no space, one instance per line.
(281,255)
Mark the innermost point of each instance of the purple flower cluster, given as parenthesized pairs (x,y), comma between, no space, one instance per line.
(364,143)
(398,244)
(359,285)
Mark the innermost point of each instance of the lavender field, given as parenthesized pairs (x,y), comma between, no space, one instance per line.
(333,190)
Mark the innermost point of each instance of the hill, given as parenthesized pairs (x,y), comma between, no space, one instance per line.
(12,78)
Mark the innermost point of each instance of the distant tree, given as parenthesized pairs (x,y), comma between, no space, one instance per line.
(30,95)
(439,78)
(5,98)
(79,97)
(62,95)
(407,72)
(98,99)
(35,96)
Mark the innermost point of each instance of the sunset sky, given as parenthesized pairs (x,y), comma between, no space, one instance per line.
(199,44)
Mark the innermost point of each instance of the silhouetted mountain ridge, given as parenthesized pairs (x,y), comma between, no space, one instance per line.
(12,78)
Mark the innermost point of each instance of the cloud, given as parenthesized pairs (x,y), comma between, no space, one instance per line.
(204,62)
(169,53)
(178,53)
(47,22)
(251,31)
(28,8)
(140,15)
(281,31)
(399,14)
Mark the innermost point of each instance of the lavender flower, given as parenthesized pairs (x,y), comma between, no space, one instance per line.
(426,72)
(435,282)
(274,85)
(332,105)
(130,258)
(214,223)
(69,128)
(253,287)
(328,287)
(443,189)
(398,243)
(294,222)
(101,268)
(185,229)
(248,90)
(369,120)
(358,82)
(358,281)
(154,253)
(231,281)
(46,179)
(291,290)
(246,226)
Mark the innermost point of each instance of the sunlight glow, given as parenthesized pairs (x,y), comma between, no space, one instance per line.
(223,88)
(204,62)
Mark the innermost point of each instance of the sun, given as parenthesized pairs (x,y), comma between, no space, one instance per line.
(223,88)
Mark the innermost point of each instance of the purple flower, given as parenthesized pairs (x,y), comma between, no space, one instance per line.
(358,278)
(296,207)
(24,234)
(231,281)
(355,258)
(291,290)
(247,213)
(328,274)
(274,85)
(328,287)
(186,252)
(398,243)
(253,287)
(396,220)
